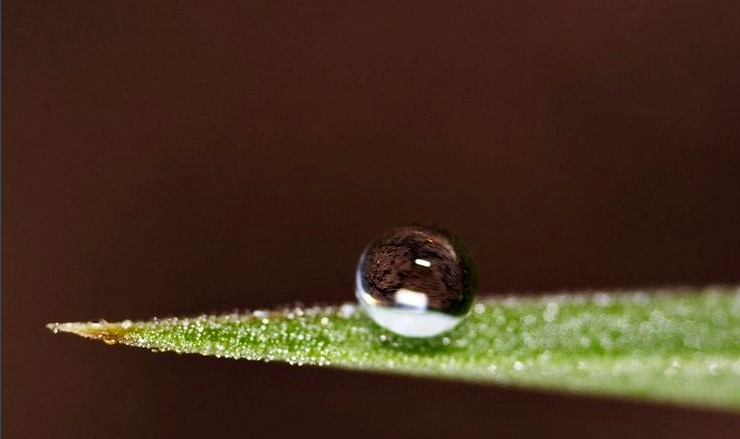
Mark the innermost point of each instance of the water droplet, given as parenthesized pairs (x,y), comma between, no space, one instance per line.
(347,310)
(416,281)
(602,299)
(551,312)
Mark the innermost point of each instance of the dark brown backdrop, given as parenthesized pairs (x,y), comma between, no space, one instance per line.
(172,158)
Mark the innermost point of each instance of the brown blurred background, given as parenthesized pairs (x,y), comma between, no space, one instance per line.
(172,158)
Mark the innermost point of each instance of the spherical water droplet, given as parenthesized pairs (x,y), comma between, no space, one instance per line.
(347,310)
(417,281)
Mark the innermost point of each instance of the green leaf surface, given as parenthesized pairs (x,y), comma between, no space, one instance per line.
(679,346)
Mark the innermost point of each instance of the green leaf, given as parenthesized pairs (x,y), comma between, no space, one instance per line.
(674,346)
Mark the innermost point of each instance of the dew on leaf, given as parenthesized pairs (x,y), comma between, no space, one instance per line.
(416,281)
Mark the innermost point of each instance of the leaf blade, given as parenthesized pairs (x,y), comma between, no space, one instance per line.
(682,347)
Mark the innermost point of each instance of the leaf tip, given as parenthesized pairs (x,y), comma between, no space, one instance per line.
(106,332)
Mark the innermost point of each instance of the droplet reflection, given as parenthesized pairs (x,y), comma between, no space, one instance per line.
(417,281)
